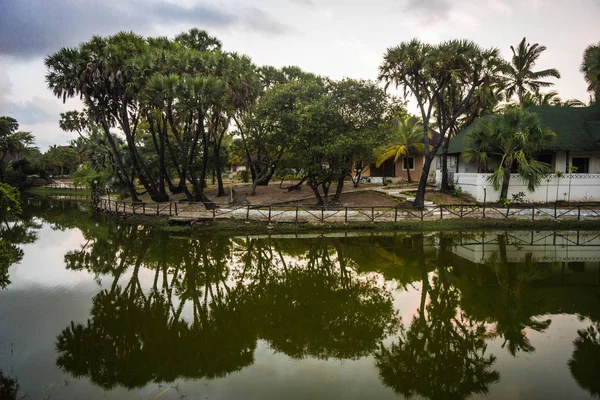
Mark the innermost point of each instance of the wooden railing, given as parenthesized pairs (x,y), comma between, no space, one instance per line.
(300,214)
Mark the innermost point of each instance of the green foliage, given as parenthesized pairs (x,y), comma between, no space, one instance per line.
(518,198)
(515,137)
(245,175)
(59,160)
(13,143)
(451,83)
(10,202)
(519,74)
(590,66)
(88,177)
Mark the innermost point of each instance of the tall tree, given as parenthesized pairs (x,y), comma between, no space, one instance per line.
(514,137)
(407,140)
(12,141)
(443,78)
(99,71)
(590,66)
(520,76)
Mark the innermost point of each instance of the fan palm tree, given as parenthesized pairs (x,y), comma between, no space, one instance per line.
(408,139)
(515,137)
(591,69)
(519,73)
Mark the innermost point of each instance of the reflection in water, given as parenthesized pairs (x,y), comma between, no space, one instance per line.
(12,234)
(443,353)
(174,306)
(238,290)
(585,361)
(9,387)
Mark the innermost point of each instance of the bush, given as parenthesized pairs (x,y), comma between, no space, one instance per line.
(245,175)
(10,203)
(88,177)
(518,198)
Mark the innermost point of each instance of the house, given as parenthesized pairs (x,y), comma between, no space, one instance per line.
(397,171)
(576,148)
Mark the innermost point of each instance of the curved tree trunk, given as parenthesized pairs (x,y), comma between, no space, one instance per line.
(420,196)
(119,162)
(339,189)
(505,183)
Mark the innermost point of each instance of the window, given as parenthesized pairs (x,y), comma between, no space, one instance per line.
(408,163)
(582,164)
(545,158)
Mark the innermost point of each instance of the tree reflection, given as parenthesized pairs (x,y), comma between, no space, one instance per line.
(9,387)
(510,304)
(316,306)
(585,361)
(12,234)
(210,300)
(443,353)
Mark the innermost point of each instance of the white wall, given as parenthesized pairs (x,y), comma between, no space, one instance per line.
(584,187)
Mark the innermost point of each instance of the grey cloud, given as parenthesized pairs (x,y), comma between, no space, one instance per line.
(435,9)
(31,28)
(34,111)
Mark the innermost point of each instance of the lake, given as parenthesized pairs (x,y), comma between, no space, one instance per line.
(98,309)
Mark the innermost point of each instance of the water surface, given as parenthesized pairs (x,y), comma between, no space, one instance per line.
(96,309)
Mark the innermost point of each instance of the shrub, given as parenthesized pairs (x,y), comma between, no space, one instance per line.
(245,175)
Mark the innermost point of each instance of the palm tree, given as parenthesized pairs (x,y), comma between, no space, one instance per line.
(515,137)
(408,139)
(591,69)
(519,73)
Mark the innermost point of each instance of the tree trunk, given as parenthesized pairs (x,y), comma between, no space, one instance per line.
(408,172)
(326,193)
(445,185)
(119,162)
(265,181)
(315,188)
(505,183)
(420,197)
(219,169)
(162,194)
(339,188)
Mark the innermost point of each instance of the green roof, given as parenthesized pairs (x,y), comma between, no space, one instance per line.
(576,128)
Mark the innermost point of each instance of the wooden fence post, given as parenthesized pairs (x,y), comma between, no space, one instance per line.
(157,209)
(144,208)
(296,214)
(441,213)
(346,215)
(532,213)
(396,214)
(578,213)
(372,214)
(269,220)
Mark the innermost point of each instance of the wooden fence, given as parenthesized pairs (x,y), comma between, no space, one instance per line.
(300,214)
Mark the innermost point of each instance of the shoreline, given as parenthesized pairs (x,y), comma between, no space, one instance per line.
(228,227)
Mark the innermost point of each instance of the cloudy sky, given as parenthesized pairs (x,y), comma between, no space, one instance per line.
(338,38)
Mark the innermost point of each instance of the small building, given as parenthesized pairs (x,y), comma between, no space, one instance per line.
(397,171)
(577,144)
